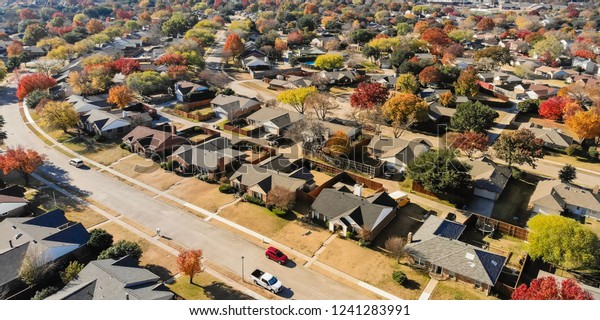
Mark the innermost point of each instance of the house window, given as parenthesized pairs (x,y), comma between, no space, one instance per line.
(452,274)
(256,195)
(420,261)
(478,284)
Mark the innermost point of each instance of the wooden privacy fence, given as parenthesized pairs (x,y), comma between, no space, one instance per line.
(343,164)
(504,227)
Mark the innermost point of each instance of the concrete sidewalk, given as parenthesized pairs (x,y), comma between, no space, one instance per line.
(428,289)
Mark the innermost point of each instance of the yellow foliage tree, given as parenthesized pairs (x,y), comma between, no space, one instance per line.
(296,97)
(121,96)
(585,124)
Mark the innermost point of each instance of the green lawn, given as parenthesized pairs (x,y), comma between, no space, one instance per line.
(205,287)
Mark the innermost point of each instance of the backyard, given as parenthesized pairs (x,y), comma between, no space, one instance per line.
(408,219)
(454,290)
(374,268)
(514,200)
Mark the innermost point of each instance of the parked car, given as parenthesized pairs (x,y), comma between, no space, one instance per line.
(76,162)
(270,136)
(276,255)
(266,280)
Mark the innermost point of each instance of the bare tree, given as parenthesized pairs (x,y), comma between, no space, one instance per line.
(281,198)
(35,267)
(307,131)
(395,245)
(365,234)
(332,45)
(321,104)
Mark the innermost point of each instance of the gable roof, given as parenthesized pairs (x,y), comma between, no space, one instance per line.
(367,213)
(104,120)
(400,148)
(208,154)
(233,103)
(281,118)
(555,194)
(153,139)
(489,175)
(114,280)
(187,87)
(452,254)
(549,135)
(265,179)
(11,261)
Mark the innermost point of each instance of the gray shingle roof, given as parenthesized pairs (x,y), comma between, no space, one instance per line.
(489,176)
(233,103)
(114,280)
(555,194)
(253,175)
(278,116)
(550,136)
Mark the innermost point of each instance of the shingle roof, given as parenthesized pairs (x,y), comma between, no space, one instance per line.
(10,263)
(555,194)
(550,136)
(233,103)
(114,280)
(489,176)
(278,116)
(253,175)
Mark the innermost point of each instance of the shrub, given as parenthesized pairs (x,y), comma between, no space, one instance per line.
(123,145)
(71,271)
(572,149)
(517,174)
(99,138)
(224,180)
(120,249)
(254,200)
(35,97)
(100,240)
(593,153)
(226,188)
(364,243)
(278,211)
(44,293)
(399,277)
(169,165)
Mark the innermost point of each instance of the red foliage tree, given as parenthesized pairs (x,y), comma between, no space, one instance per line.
(548,288)
(430,75)
(171,59)
(521,34)
(294,38)
(470,142)
(15,48)
(553,108)
(436,37)
(587,54)
(31,82)
(189,263)
(23,161)
(178,73)
(27,14)
(368,96)
(486,24)
(124,15)
(127,65)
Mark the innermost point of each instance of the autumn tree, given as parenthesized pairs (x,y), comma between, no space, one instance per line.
(471,142)
(295,38)
(407,83)
(126,66)
(296,97)
(14,49)
(234,46)
(281,197)
(59,115)
(447,99)
(548,288)
(466,84)
(329,61)
(368,96)
(430,75)
(171,59)
(519,147)
(189,263)
(562,242)
(31,82)
(94,26)
(405,109)
(3,71)
(321,103)
(23,161)
(473,116)
(33,34)
(497,56)
(486,24)
(121,96)
(552,108)
(585,124)
(547,50)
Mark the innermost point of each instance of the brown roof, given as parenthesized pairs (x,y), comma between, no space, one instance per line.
(155,139)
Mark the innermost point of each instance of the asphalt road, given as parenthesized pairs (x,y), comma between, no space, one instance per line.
(220,246)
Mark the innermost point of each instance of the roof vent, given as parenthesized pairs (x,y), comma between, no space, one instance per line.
(18,235)
(472,264)
(469,256)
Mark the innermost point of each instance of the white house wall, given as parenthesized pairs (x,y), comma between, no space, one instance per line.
(544,210)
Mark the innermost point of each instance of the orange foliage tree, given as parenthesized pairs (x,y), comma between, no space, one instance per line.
(23,161)
(32,82)
(120,96)
(189,263)
(233,45)
(585,124)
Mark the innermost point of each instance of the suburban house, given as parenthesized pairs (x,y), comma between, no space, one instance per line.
(388,81)
(257,181)
(110,279)
(587,65)
(555,197)
(351,212)
(11,206)
(553,138)
(332,128)
(84,104)
(151,142)
(489,178)
(110,125)
(186,91)
(47,237)
(540,91)
(436,248)
(397,152)
(583,80)
(339,77)
(440,114)
(274,120)
(253,63)
(213,157)
(292,82)
(554,73)
(233,107)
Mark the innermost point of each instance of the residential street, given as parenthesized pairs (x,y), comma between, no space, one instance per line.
(220,246)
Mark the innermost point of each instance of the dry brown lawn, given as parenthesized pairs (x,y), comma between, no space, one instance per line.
(320,177)
(256,218)
(201,194)
(147,171)
(154,258)
(74,211)
(109,156)
(302,237)
(374,268)
(594,225)
(454,290)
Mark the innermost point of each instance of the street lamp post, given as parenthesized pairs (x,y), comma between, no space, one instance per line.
(243,280)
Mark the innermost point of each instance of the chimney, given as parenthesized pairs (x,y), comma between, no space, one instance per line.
(10,244)
(127,296)
(358,190)
(124,114)
(409,237)
(173,129)
(595,190)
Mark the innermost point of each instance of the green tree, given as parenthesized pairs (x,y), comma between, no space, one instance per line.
(296,97)
(548,49)
(440,172)
(35,97)
(567,173)
(329,61)
(120,249)
(100,240)
(496,54)
(33,34)
(71,271)
(147,82)
(519,147)
(529,105)
(473,116)
(3,71)
(399,276)
(44,293)
(562,241)
(407,83)
(466,84)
